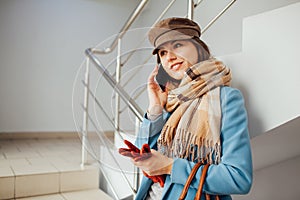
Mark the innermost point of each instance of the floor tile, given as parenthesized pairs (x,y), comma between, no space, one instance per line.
(27,154)
(9,149)
(33,169)
(4,163)
(18,162)
(45,197)
(2,157)
(6,171)
(87,195)
(39,161)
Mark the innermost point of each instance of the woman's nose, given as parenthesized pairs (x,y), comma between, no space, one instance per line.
(171,56)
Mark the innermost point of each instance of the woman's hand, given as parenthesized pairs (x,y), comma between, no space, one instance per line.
(157,97)
(157,164)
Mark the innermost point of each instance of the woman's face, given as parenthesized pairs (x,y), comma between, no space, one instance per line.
(177,56)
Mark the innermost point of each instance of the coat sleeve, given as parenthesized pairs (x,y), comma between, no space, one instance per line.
(150,131)
(233,175)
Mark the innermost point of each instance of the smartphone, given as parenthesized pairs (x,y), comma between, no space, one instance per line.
(162,77)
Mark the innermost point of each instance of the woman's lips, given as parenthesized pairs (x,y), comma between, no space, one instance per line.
(176,66)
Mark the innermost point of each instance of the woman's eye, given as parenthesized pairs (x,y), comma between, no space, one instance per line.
(176,45)
(162,53)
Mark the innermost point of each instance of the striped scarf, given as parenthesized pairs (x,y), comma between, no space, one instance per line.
(193,130)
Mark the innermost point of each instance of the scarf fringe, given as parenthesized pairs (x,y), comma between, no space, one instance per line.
(191,147)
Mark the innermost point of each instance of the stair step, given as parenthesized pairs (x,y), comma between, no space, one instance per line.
(43,167)
(37,183)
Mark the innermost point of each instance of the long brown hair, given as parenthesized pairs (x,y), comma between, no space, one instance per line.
(203,50)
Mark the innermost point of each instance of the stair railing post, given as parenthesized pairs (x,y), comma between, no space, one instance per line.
(136,177)
(117,96)
(85,114)
(190,14)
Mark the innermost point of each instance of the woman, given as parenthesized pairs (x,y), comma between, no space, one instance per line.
(198,117)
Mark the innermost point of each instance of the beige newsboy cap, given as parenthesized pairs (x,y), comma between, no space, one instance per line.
(172,29)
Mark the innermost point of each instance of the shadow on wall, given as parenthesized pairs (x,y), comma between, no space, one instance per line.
(254,120)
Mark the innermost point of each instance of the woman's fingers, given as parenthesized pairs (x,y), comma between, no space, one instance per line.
(153,74)
(131,146)
(154,92)
(152,84)
(156,164)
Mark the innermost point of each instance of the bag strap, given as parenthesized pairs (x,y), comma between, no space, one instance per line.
(201,183)
(189,180)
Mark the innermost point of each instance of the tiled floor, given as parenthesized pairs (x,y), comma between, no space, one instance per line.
(27,156)
(30,167)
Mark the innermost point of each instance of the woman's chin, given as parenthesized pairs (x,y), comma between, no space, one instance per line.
(178,75)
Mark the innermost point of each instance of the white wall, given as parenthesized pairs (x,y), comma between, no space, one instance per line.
(267,68)
(225,36)
(42,46)
(267,71)
(276,182)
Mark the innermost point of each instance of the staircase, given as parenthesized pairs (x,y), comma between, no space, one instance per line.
(41,169)
(267,71)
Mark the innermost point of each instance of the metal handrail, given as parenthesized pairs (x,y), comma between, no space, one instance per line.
(198,3)
(124,29)
(103,110)
(111,154)
(157,20)
(123,94)
(218,16)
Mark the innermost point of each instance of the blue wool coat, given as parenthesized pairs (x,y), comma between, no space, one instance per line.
(234,173)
